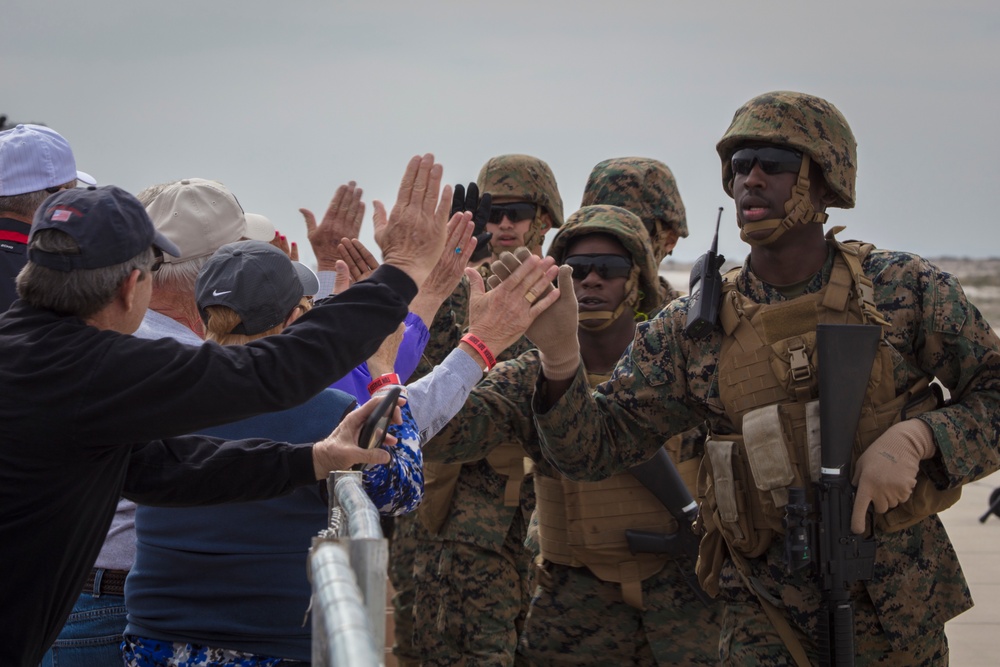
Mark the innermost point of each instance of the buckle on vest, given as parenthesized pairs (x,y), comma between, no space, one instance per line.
(799,363)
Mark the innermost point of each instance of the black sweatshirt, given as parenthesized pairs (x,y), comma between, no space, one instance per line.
(89,415)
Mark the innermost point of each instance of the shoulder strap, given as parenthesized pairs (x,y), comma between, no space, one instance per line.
(854,253)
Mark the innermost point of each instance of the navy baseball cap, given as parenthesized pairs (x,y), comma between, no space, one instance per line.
(257,281)
(108,223)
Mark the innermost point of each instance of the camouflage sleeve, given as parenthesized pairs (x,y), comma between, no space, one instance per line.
(445,331)
(653,394)
(498,411)
(950,340)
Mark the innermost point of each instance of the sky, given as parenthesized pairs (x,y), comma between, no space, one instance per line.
(283,102)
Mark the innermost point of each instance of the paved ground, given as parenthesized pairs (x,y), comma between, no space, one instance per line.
(974,636)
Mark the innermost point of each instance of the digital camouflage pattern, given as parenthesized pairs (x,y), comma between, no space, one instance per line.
(576,619)
(555,624)
(630,232)
(645,187)
(668,383)
(749,638)
(478,526)
(804,122)
(524,178)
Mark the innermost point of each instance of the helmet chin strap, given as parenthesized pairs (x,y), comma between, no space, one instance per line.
(798,210)
(599,320)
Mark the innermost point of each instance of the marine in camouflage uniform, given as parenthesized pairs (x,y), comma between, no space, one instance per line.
(470,574)
(647,188)
(669,382)
(595,603)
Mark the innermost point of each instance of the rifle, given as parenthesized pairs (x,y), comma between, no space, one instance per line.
(846,353)
(660,476)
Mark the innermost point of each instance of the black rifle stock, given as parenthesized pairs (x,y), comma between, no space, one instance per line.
(660,476)
(846,353)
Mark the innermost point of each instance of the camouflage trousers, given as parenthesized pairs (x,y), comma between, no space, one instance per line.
(470,602)
(577,619)
(406,533)
(749,638)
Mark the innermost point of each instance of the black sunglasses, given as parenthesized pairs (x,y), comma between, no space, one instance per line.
(515,212)
(771,160)
(157,260)
(606,266)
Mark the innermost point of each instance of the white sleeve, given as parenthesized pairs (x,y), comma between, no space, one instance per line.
(438,396)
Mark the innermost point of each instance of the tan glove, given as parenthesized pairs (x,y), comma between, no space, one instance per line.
(554,332)
(887,471)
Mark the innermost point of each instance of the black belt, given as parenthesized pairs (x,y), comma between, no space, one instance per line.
(110,582)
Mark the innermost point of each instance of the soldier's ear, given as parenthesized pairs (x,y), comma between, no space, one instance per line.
(546,221)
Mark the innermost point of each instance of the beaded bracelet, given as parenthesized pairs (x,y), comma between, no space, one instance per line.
(480,347)
(381,381)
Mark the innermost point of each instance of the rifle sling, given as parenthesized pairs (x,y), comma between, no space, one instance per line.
(777,619)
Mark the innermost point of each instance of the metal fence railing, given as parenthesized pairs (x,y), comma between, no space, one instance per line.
(347,568)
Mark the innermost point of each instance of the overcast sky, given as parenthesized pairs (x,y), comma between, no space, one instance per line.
(284,101)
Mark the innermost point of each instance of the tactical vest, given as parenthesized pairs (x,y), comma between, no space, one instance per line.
(583,523)
(768,387)
(440,480)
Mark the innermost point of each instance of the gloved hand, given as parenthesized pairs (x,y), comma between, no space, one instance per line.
(480,208)
(887,471)
(554,331)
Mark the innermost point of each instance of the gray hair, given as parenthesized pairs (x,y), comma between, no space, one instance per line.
(81,292)
(147,195)
(24,204)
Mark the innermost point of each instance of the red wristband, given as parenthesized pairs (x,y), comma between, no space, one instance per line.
(382,381)
(480,347)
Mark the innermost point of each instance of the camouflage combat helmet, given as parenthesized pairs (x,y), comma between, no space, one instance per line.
(804,122)
(643,285)
(526,178)
(647,188)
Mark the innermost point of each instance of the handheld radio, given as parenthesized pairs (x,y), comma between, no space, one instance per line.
(705,289)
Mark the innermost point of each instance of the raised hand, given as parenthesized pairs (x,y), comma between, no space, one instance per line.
(480,208)
(342,220)
(280,241)
(412,235)
(444,278)
(502,315)
(358,258)
(554,331)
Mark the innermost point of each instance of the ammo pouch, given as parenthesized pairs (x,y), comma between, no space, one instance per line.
(747,475)
(440,480)
(583,524)
(510,461)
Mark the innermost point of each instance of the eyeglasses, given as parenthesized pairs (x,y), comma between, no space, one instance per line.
(771,160)
(515,212)
(606,266)
(157,260)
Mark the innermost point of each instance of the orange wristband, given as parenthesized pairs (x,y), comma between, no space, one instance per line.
(382,381)
(480,347)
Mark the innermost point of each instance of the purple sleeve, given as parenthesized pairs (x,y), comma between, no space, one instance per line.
(355,383)
(415,339)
